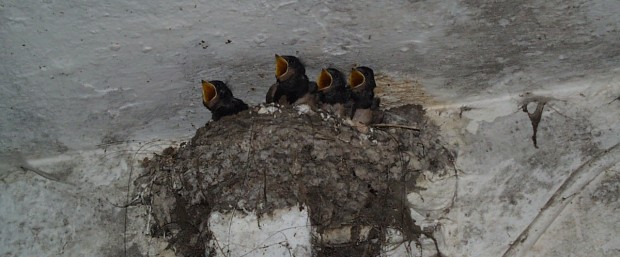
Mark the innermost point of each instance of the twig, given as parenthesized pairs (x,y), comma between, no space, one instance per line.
(561,114)
(44,174)
(383,125)
(464,109)
(324,137)
(131,165)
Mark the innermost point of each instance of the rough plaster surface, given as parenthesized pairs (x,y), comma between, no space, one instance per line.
(77,76)
(79,73)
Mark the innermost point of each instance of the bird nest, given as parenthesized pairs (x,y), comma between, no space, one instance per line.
(269,158)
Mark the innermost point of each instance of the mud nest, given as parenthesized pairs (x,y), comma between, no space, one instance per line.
(271,158)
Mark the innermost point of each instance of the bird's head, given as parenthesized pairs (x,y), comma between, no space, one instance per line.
(361,77)
(287,66)
(213,91)
(330,79)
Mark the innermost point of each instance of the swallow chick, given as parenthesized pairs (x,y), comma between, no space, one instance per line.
(218,98)
(333,93)
(365,105)
(292,86)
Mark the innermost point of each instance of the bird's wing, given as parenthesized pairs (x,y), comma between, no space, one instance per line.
(271,93)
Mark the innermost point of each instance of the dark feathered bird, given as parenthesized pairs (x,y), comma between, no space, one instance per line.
(333,93)
(292,85)
(362,83)
(218,98)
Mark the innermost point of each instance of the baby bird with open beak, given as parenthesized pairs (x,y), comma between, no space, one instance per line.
(333,93)
(292,86)
(362,83)
(218,98)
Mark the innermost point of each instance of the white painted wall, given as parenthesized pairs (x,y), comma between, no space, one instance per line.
(79,73)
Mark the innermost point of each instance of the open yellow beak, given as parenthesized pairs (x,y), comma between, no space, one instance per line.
(356,78)
(281,66)
(208,91)
(325,80)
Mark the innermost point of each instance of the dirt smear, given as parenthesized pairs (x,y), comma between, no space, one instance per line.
(271,158)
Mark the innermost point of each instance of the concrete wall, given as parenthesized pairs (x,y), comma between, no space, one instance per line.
(80,73)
